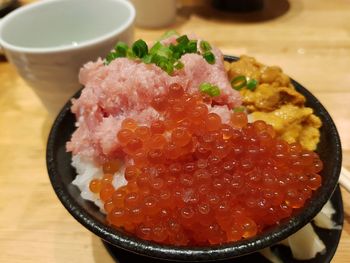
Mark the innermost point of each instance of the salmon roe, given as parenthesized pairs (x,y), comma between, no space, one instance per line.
(197,181)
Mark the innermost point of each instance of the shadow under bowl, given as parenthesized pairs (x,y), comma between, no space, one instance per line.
(61,174)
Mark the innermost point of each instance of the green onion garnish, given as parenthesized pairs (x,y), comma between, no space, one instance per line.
(183,40)
(161,50)
(205,46)
(215,91)
(252,84)
(110,57)
(140,48)
(163,63)
(121,48)
(239,82)
(130,54)
(239,109)
(209,89)
(209,57)
(168,34)
(147,59)
(191,47)
(165,57)
(179,65)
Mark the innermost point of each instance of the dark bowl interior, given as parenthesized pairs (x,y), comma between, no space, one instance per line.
(61,174)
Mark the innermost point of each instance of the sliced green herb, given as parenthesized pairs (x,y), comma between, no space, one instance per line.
(205,46)
(239,82)
(205,88)
(140,48)
(121,48)
(163,63)
(177,53)
(252,84)
(215,91)
(209,57)
(239,109)
(130,54)
(161,50)
(191,46)
(168,34)
(179,65)
(110,57)
(154,49)
(164,56)
(147,59)
(209,89)
(183,40)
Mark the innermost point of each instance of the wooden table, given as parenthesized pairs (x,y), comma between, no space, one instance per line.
(309,39)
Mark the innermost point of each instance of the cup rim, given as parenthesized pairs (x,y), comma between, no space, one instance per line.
(83,44)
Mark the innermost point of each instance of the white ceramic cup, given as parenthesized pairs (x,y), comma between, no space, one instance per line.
(155,13)
(49,41)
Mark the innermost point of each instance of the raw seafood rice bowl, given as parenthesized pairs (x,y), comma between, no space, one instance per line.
(169,149)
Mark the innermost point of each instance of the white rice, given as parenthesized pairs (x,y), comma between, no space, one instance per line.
(87,171)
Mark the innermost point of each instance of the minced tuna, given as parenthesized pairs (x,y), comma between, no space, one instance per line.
(125,88)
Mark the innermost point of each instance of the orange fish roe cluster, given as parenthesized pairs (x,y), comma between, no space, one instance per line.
(197,181)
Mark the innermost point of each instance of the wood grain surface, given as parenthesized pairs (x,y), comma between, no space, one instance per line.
(309,39)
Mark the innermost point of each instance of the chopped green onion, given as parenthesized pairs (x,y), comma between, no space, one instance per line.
(209,57)
(239,109)
(205,46)
(168,34)
(163,63)
(172,47)
(177,53)
(166,66)
(252,84)
(205,88)
(121,48)
(140,48)
(154,49)
(166,57)
(181,47)
(110,57)
(156,58)
(179,65)
(161,50)
(130,54)
(183,40)
(147,59)
(215,91)
(239,82)
(191,47)
(209,89)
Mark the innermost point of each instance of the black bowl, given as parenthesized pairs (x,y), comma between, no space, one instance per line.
(61,174)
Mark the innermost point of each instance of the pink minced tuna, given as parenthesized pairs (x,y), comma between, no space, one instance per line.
(125,88)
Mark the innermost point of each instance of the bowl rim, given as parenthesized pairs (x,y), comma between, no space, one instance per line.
(215,252)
